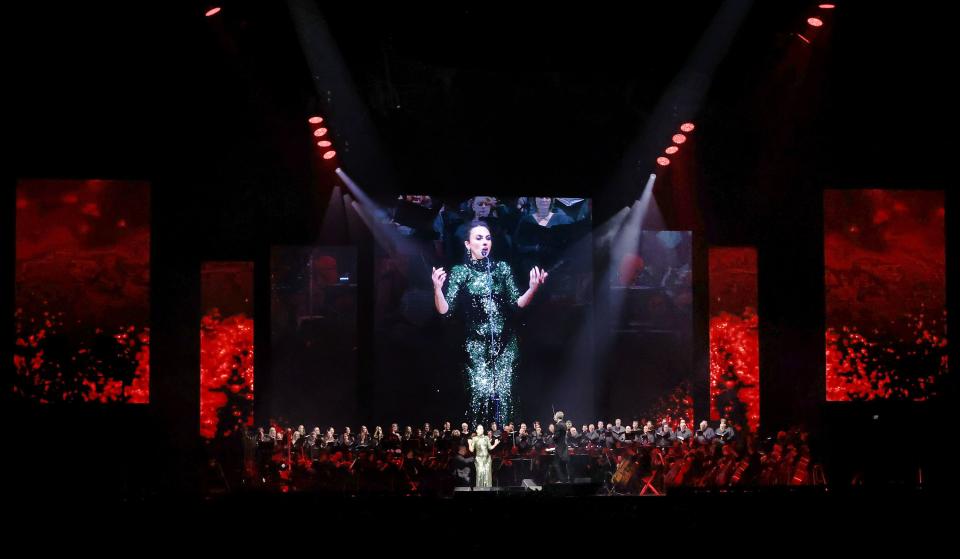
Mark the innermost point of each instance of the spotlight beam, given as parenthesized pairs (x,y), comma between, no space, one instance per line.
(344,109)
(396,245)
(625,244)
(334,227)
(682,99)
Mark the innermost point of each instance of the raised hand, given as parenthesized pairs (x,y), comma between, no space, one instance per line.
(439,276)
(537,277)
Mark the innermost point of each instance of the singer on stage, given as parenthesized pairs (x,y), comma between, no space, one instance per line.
(491,344)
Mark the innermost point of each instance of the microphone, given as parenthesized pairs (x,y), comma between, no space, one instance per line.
(496,394)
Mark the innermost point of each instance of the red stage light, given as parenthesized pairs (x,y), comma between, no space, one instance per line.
(315,119)
(330,154)
(687,127)
(671,150)
(827,6)
(679,138)
(815,22)
(213,11)
(319,132)
(663,161)
(324,143)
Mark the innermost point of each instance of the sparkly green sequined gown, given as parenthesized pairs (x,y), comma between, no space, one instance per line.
(491,344)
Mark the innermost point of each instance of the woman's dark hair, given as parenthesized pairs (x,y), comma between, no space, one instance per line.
(476,223)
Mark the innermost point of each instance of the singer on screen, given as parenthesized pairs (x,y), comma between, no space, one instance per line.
(491,344)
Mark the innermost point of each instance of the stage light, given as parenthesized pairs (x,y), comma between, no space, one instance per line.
(671,150)
(320,132)
(330,154)
(324,143)
(827,6)
(679,138)
(213,11)
(315,120)
(663,161)
(687,127)
(815,22)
